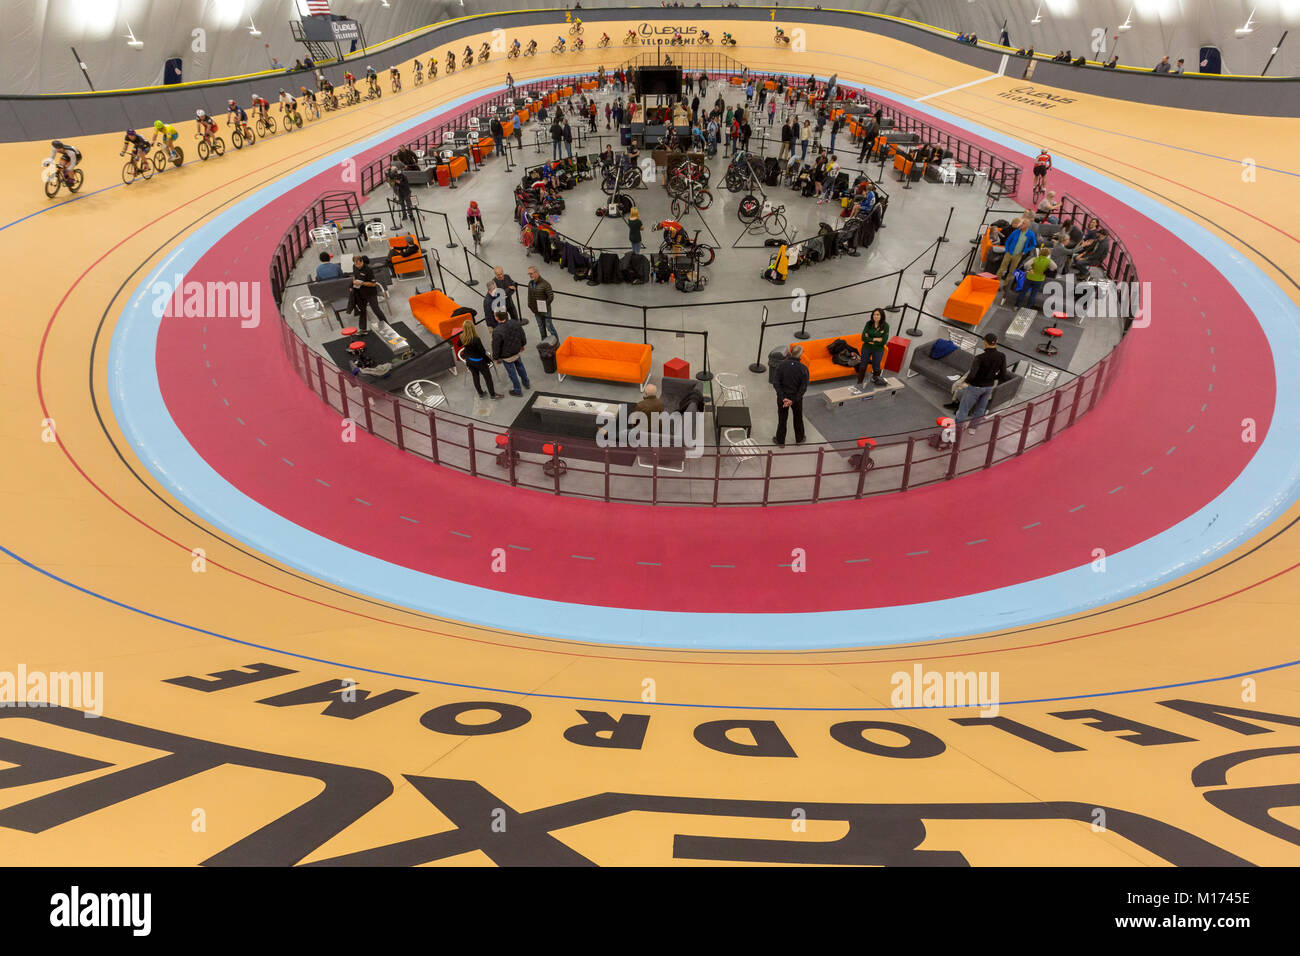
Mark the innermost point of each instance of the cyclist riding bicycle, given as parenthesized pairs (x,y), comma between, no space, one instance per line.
(559,40)
(677,35)
(485,49)
(65,157)
(704,34)
(577,24)
(419,68)
(469,54)
(309,97)
(726,37)
(532,46)
(261,105)
(236,112)
(604,38)
(287,102)
(515,45)
(1042,165)
(138,146)
(207,128)
(169,135)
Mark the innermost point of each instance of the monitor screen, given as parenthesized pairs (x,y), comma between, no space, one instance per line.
(657,80)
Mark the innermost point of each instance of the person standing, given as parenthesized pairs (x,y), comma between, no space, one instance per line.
(804,135)
(875,337)
(541,298)
(508,341)
(365,291)
(567,133)
(475,357)
(1035,275)
(790,382)
(402,190)
(771,112)
(634,225)
(988,369)
(557,137)
(786,136)
(1018,244)
(498,135)
(836,126)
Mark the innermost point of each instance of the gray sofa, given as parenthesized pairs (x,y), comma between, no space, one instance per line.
(958,362)
(440,358)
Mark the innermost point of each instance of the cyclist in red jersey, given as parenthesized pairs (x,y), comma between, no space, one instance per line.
(1041,166)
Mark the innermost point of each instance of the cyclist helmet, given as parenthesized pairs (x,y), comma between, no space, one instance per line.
(158,124)
(230,103)
(57,144)
(304,89)
(200,114)
(282,92)
(130,133)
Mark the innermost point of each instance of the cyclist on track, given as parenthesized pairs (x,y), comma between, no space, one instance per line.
(207,128)
(604,39)
(169,135)
(372,78)
(309,97)
(559,41)
(236,112)
(138,145)
(419,70)
(469,54)
(261,105)
(704,35)
(577,25)
(532,46)
(288,106)
(65,157)
(395,77)
(1042,165)
(515,46)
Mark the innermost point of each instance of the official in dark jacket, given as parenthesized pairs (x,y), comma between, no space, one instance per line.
(790,383)
(365,289)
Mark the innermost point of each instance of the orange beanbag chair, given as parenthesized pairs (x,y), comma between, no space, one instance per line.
(600,358)
(440,314)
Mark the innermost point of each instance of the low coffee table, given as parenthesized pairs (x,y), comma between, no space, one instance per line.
(855,393)
(731,416)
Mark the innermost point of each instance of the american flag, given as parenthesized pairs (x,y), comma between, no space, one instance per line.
(315,7)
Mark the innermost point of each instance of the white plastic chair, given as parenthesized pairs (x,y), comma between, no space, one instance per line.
(375,232)
(730,391)
(740,449)
(308,308)
(427,393)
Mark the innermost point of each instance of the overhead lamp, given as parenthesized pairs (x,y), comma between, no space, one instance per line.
(131,41)
(1128,24)
(1038,17)
(253,31)
(1248,27)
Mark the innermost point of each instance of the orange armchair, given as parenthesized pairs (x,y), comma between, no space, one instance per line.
(439,314)
(972,299)
(406,265)
(600,358)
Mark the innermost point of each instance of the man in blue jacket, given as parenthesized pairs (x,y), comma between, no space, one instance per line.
(1020,242)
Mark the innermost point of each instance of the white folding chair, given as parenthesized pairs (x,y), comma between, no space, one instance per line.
(730,391)
(740,449)
(308,308)
(427,393)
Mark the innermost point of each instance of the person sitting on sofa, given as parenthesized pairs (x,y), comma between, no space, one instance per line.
(328,268)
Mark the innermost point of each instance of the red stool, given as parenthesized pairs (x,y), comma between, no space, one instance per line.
(554,465)
(863,460)
(1049,347)
(349,332)
(507,455)
(358,352)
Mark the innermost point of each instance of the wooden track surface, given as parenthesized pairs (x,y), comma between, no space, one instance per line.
(100,576)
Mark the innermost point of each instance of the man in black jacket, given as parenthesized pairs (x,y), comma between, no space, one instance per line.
(498,135)
(790,382)
(988,369)
(508,341)
(557,136)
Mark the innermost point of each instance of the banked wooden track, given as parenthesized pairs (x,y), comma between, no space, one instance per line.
(99,575)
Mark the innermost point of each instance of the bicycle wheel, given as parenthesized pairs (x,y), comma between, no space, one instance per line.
(128,172)
(607,184)
(179,158)
(678,207)
(703,199)
(704,254)
(204,150)
(237,138)
(775,224)
(749,209)
(53,185)
(270,124)
(78,177)
(218,145)
(677,186)
(160,160)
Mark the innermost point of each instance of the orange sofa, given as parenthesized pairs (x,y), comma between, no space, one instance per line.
(818,360)
(439,314)
(600,358)
(406,265)
(972,299)
(457,166)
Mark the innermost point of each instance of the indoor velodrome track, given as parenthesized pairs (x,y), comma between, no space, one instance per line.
(647,685)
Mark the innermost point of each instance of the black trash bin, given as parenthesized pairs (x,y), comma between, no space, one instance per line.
(546,352)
